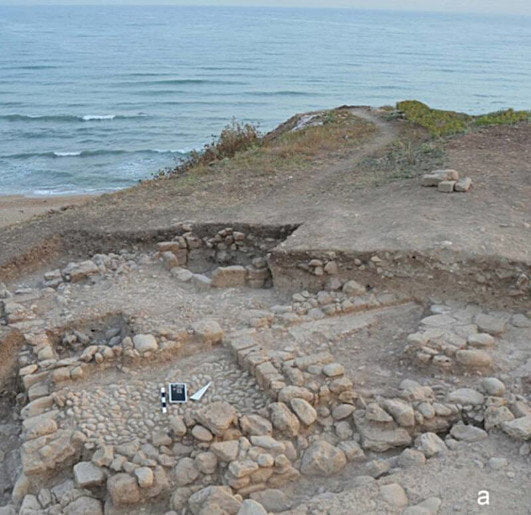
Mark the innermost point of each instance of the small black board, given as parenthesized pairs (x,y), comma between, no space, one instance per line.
(178,392)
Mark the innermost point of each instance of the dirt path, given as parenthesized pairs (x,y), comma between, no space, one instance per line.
(312,192)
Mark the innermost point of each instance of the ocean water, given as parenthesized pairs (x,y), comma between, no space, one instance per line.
(96,98)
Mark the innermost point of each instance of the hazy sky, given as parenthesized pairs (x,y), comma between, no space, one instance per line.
(479,6)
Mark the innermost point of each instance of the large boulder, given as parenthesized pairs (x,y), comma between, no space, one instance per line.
(123,489)
(468,433)
(186,471)
(144,477)
(283,419)
(145,342)
(217,417)
(353,288)
(242,468)
(255,425)
(103,456)
(437,176)
(493,386)
(430,444)
(304,410)
(272,499)
(209,331)
(490,324)
(322,459)
(214,499)
(466,397)
(179,498)
(401,411)
(495,416)
(48,452)
(226,451)
(84,506)
(229,276)
(40,425)
(394,495)
(519,428)
(380,436)
(75,272)
(87,474)
(250,507)
(473,358)
(375,413)
(294,392)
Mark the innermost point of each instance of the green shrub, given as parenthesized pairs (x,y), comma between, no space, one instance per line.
(437,122)
(235,137)
(507,117)
(445,123)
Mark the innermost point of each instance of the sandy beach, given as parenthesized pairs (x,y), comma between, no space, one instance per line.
(18,208)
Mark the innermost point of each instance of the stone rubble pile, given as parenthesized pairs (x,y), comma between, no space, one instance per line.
(14,312)
(446,181)
(308,307)
(456,340)
(228,248)
(351,298)
(330,270)
(104,265)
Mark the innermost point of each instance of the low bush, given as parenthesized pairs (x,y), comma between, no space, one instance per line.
(446,123)
(437,122)
(235,137)
(507,117)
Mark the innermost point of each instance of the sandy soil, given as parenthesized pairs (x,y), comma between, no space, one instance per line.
(17,208)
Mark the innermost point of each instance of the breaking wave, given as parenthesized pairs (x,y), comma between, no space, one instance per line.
(92,153)
(68,117)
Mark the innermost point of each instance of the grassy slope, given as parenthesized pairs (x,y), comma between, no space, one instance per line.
(446,123)
(246,156)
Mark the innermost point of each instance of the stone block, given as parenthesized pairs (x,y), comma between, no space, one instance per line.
(229,276)
(87,474)
(209,331)
(322,459)
(123,489)
(463,185)
(437,176)
(446,186)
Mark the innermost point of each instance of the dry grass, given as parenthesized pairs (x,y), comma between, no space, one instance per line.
(284,150)
(282,155)
(235,137)
(409,156)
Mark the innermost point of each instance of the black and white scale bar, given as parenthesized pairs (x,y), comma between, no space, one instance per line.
(163,400)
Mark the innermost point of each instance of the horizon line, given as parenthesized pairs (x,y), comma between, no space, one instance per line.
(231,5)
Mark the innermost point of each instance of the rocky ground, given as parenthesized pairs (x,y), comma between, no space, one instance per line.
(345,377)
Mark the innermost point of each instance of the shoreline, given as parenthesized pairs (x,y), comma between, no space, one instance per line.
(19,208)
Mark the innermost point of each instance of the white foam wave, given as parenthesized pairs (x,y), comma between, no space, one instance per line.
(164,151)
(67,154)
(89,117)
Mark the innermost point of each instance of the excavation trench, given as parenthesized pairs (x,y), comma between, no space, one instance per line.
(209,304)
(420,274)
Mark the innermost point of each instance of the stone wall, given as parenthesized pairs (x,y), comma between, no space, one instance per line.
(416,274)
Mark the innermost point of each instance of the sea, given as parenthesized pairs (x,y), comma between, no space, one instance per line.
(96,98)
